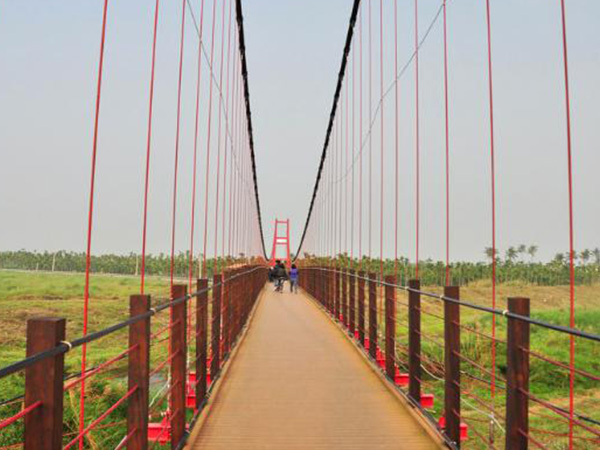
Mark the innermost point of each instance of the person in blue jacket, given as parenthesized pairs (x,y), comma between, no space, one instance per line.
(294,279)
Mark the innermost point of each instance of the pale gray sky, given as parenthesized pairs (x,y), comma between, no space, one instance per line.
(48,58)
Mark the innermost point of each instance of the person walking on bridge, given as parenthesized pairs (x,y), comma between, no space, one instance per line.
(294,279)
(280,275)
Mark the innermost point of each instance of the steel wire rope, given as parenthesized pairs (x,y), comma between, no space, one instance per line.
(332,114)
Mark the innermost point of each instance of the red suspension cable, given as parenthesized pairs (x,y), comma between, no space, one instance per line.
(148,147)
(370,134)
(220,113)
(177,132)
(571,221)
(447,136)
(88,254)
(209,128)
(417,143)
(381,175)
(360,120)
(493,187)
(396,148)
(196,132)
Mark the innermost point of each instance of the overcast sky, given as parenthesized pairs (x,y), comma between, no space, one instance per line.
(48,60)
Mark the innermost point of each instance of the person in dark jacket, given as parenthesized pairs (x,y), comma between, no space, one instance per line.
(280,275)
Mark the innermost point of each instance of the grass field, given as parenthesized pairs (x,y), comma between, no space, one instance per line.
(27,294)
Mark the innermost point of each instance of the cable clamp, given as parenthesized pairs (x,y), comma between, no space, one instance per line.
(153,310)
(68,344)
(505,312)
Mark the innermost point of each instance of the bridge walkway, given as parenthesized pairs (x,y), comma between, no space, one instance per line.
(296,382)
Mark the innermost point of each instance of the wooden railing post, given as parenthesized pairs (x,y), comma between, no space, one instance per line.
(352,301)
(201,340)
(414,340)
(361,308)
(319,286)
(235,306)
(390,326)
(138,374)
(452,364)
(331,281)
(216,327)
(225,313)
(517,376)
(372,315)
(44,383)
(345,297)
(338,294)
(178,364)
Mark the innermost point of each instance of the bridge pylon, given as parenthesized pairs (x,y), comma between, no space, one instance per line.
(281,238)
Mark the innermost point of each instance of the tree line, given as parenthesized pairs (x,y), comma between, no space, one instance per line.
(130,264)
(517,264)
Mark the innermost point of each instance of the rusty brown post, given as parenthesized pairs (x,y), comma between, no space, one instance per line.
(361,308)
(390,326)
(372,315)
(138,374)
(414,340)
(235,305)
(452,364)
(352,306)
(338,294)
(517,375)
(201,340)
(44,383)
(178,364)
(216,327)
(225,313)
(345,297)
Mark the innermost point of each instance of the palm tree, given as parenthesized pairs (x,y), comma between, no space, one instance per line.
(522,249)
(490,253)
(585,256)
(532,250)
(596,253)
(511,254)
(559,258)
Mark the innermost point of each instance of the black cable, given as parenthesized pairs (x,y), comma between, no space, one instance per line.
(336,98)
(242,48)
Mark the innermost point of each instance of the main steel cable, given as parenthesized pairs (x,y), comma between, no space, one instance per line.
(390,87)
(336,96)
(242,50)
(213,77)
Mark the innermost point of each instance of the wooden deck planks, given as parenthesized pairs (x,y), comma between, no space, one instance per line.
(297,383)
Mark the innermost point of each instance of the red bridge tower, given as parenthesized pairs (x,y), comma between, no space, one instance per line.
(281,238)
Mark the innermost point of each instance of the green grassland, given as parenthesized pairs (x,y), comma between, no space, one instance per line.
(547,381)
(28,294)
